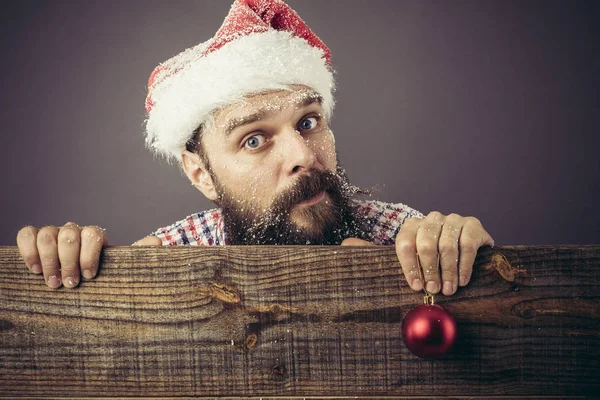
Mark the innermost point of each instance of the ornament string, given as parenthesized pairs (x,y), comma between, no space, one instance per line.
(428,298)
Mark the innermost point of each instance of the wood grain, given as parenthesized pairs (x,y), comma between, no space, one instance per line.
(298,321)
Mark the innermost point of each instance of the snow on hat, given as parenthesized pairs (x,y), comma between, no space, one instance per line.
(262,45)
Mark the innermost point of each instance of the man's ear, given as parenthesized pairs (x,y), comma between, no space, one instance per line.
(198,174)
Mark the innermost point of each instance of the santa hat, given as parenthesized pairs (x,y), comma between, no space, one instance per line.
(262,45)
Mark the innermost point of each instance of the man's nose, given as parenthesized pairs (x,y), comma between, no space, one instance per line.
(298,155)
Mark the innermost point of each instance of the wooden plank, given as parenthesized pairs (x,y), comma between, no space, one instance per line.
(298,321)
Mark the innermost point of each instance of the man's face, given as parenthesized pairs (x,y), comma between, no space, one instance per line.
(273,163)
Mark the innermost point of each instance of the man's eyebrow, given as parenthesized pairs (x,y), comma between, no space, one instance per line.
(308,100)
(235,123)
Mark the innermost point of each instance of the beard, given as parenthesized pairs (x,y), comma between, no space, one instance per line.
(328,222)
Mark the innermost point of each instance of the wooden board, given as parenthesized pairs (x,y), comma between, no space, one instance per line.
(298,321)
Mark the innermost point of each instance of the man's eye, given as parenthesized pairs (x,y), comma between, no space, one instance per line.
(254,141)
(308,123)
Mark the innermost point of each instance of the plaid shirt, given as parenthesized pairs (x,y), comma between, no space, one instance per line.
(206,228)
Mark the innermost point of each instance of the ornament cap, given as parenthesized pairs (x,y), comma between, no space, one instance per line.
(428,298)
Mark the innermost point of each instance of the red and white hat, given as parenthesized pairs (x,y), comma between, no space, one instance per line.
(262,45)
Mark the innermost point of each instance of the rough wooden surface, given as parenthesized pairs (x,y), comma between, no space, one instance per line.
(298,321)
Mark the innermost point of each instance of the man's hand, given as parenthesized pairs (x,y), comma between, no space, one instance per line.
(447,242)
(450,242)
(63,253)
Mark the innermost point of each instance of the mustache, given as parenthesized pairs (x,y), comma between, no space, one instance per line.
(307,187)
(244,224)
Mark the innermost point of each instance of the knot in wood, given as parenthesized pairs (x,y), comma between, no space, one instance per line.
(6,325)
(527,313)
(250,341)
(524,310)
(225,293)
(278,371)
(500,263)
(275,309)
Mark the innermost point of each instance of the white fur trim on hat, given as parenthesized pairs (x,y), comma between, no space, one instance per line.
(258,62)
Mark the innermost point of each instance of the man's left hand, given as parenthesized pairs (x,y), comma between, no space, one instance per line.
(446,246)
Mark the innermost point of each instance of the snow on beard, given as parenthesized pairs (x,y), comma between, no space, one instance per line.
(329,222)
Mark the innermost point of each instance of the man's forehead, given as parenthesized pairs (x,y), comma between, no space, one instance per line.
(266,103)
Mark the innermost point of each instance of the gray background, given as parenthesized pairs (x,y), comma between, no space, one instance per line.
(484,108)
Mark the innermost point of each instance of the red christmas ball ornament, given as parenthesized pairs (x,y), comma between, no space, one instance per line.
(428,330)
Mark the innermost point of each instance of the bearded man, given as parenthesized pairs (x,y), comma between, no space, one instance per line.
(246,116)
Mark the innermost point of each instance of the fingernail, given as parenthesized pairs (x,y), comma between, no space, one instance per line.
(71,281)
(87,274)
(432,286)
(448,288)
(54,281)
(463,280)
(36,268)
(417,285)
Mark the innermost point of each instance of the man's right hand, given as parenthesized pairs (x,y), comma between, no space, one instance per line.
(63,254)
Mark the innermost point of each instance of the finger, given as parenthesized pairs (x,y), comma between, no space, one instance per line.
(427,249)
(48,250)
(27,243)
(356,242)
(149,241)
(468,245)
(93,239)
(406,249)
(69,242)
(449,254)
(486,240)
(476,230)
